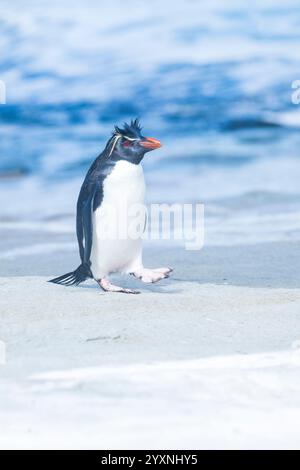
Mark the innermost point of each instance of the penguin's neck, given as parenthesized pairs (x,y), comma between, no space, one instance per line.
(126,172)
(135,160)
(125,183)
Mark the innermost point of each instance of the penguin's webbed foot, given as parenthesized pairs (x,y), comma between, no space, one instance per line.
(107,286)
(152,275)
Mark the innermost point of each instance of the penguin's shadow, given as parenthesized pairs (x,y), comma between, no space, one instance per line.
(138,285)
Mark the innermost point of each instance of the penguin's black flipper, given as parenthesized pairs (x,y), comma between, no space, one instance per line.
(84,223)
(84,228)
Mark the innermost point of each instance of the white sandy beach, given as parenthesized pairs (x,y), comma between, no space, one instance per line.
(206,359)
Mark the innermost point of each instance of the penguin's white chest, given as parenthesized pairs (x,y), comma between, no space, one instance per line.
(117,222)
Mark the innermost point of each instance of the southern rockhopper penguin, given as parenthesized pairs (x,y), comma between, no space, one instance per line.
(114,179)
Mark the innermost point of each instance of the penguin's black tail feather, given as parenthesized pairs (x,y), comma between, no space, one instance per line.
(74,278)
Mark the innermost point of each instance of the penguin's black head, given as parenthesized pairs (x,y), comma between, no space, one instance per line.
(129,144)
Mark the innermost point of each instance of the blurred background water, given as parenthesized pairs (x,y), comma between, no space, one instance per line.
(211,79)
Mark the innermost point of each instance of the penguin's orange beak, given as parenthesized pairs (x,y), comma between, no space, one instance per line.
(150,143)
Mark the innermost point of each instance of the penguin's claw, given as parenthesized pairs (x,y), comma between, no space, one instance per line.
(107,286)
(128,291)
(152,275)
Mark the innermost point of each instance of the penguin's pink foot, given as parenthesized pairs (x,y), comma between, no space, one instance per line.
(163,270)
(107,286)
(152,275)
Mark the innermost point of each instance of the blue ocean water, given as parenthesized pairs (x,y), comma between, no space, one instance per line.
(212,80)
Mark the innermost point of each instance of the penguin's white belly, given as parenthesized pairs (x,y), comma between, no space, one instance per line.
(114,249)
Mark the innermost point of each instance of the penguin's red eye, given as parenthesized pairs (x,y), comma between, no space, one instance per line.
(127,143)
